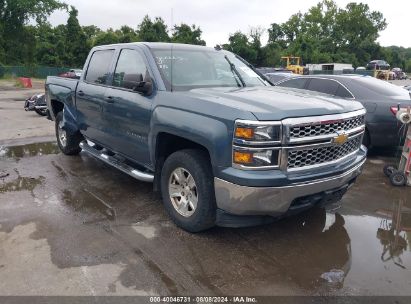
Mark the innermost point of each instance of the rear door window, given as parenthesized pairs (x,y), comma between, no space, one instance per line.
(343,92)
(297,83)
(323,86)
(99,66)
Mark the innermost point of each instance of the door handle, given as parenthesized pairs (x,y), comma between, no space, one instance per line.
(80,93)
(110,99)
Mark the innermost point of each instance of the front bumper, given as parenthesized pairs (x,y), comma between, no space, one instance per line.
(275,201)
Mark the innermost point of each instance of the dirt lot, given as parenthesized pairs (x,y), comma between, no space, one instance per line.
(73,226)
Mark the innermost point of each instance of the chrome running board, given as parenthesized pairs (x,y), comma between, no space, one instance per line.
(88,147)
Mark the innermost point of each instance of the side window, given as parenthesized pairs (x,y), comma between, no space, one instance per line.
(323,86)
(98,68)
(343,92)
(130,69)
(297,83)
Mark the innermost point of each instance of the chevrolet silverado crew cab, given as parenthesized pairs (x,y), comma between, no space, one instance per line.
(222,145)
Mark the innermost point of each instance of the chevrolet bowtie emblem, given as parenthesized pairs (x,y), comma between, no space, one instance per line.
(340,139)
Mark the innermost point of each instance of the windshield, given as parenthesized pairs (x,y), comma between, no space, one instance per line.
(204,68)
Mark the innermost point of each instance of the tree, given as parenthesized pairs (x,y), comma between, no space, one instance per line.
(240,44)
(77,46)
(126,34)
(108,37)
(91,32)
(183,33)
(50,42)
(329,33)
(16,37)
(153,31)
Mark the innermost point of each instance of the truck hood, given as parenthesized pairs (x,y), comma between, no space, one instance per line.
(274,103)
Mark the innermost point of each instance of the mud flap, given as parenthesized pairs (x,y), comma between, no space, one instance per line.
(69,121)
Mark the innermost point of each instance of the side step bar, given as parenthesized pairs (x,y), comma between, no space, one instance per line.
(140,175)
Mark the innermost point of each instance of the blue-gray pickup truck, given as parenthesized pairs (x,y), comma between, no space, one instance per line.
(221,144)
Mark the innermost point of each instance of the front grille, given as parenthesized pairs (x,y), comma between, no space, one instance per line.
(326,128)
(315,156)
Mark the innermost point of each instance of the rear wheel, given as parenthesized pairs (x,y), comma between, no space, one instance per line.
(187,188)
(68,143)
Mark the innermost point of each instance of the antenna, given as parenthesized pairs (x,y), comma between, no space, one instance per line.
(171,51)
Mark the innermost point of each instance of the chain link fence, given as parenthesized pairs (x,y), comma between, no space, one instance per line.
(34,71)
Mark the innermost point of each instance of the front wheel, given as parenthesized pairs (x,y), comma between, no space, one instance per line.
(187,188)
(68,143)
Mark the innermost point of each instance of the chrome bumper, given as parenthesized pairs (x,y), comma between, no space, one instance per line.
(274,201)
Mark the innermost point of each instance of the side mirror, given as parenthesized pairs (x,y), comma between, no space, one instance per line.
(136,83)
(145,87)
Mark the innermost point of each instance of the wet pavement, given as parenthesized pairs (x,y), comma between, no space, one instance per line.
(74,226)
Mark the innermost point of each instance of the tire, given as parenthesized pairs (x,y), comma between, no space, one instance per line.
(388,170)
(69,144)
(41,112)
(398,179)
(201,196)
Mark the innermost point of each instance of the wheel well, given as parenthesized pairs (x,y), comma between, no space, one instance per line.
(56,106)
(167,144)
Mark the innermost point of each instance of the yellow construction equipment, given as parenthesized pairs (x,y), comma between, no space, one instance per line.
(293,64)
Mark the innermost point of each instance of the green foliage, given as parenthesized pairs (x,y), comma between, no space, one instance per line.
(76,43)
(241,45)
(326,33)
(183,33)
(17,39)
(69,44)
(153,31)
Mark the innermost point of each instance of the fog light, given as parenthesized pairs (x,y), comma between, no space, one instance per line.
(243,157)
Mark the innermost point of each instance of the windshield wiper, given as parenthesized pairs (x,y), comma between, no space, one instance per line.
(235,71)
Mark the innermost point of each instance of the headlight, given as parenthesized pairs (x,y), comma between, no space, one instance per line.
(256,145)
(255,158)
(251,132)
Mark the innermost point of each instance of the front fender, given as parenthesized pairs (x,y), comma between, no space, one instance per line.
(213,134)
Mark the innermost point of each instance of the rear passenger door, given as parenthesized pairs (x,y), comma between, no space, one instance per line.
(127,113)
(90,95)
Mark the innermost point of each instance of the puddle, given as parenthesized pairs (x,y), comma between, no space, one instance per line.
(37,149)
(85,200)
(21,183)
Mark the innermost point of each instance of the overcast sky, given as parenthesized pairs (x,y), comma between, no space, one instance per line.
(219,18)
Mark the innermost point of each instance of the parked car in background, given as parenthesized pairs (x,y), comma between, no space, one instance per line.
(378,65)
(36,103)
(73,73)
(377,96)
(399,74)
